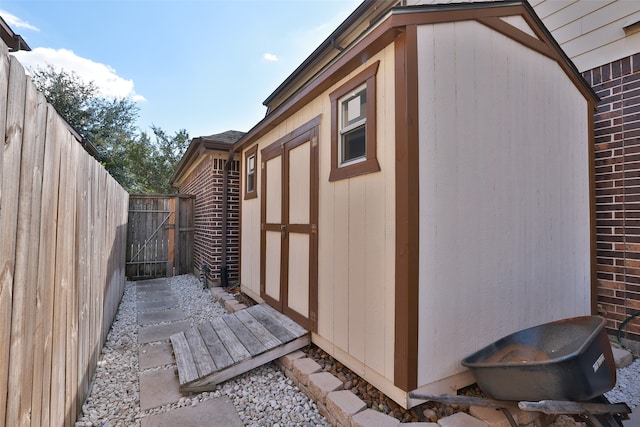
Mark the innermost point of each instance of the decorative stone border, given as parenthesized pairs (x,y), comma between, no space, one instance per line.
(342,408)
(226,299)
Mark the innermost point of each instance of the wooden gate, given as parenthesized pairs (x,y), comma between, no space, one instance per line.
(159,236)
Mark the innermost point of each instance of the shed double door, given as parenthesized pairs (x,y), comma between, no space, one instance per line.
(289,212)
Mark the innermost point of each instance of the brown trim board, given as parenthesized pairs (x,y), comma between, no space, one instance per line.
(370,164)
(407,211)
(385,33)
(253,151)
(306,133)
(591,109)
(519,36)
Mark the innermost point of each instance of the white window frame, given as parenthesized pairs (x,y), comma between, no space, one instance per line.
(356,93)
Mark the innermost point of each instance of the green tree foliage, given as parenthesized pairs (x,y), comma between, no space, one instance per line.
(158,158)
(139,162)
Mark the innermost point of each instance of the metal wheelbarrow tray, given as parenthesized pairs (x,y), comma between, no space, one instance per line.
(569,359)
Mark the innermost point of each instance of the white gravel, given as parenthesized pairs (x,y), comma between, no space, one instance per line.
(262,397)
(627,387)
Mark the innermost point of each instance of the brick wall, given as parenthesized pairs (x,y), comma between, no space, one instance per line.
(617,179)
(205,182)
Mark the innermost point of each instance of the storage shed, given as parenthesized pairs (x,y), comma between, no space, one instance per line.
(420,186)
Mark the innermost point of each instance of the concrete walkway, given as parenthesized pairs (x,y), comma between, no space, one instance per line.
(159,317)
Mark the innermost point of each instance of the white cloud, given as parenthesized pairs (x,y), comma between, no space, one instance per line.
(106,79)
(270,57)
(15,22)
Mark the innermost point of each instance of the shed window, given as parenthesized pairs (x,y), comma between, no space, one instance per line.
(353,121)
(353,126)
(250,177)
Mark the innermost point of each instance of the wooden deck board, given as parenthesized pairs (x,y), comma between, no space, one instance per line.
(260,332)
(271,324)
(210,382)
(231,342)
(250,342)
(230,345)
(187,370)
(296,329)
(201,356)
(216,348)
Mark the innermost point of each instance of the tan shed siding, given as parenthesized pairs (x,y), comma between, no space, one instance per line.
(250,218)
(356,241)
(356,235)
(504,193)
(250,237)
(589,31)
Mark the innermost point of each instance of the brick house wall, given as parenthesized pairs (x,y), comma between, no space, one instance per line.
(617,180)
(206,183)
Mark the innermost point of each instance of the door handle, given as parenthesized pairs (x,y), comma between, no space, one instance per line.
(283,230)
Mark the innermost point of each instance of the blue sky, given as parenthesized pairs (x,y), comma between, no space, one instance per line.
(205,66)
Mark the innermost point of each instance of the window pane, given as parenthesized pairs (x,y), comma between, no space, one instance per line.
(354,108)
(250,182)
(251,169)
(353,144)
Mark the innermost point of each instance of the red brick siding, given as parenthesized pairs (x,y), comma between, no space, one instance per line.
(205,182)
(617,179)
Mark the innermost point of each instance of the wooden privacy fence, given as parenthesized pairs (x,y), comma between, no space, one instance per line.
(159,235)
(63,224)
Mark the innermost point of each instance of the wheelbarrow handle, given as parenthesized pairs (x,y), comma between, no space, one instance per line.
(557,407)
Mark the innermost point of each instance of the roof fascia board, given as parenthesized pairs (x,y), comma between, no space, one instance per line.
(366,12)
(192,151)
(193,155)
(368,46)
(13,41)
(394,24)
(565,62)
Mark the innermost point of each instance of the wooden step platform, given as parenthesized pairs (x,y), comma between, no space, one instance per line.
(233,344)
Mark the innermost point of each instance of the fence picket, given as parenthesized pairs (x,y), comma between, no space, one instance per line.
(63,223)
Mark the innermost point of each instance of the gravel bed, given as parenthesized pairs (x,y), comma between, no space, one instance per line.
(262,397)
(627,387)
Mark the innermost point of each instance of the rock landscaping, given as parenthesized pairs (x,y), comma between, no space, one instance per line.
(261,397)
(304,388)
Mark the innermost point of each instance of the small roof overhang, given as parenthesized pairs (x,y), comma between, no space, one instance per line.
(373,26)
(222,142)
(14,41)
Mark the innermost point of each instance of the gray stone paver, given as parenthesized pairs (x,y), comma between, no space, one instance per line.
(214,412)
(154,355)
(153,295)
(147,334)
(161,316)
(158,388)
(152,284)
(155,305)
